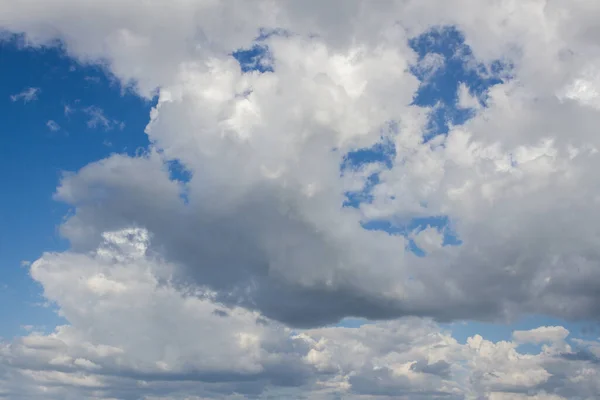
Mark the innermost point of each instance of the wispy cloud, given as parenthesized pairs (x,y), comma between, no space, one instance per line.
(68,110)
(27,95)
(97,118)
(92,79)
(53,125)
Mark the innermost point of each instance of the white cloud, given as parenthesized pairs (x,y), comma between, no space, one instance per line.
(27,95)
(53,125)
(543,334)
(98,119)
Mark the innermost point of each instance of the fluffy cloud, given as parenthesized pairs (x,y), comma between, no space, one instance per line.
(132,334)
(550,334)
(260,227)
(266,182)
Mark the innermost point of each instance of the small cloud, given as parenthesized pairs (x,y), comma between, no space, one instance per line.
(25,263)
(42,304)
(27,328)
(92,79)
(27,95)
(53,126)
(68,110)
(97,118)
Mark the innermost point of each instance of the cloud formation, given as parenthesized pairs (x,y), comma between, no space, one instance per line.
(53,126)
(133,334)
(474,200)
(26,96)
(97,118)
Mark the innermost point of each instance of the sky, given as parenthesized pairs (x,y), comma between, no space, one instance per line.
(299,200)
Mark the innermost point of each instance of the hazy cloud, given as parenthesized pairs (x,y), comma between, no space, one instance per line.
(27,95)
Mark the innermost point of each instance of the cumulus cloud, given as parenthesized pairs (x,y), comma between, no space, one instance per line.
(543,334)
(27,95)
(263,227)
(133,334)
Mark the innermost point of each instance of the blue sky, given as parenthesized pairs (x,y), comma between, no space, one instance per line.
(33,157)
(80,114)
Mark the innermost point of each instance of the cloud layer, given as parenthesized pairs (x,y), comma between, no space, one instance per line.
(133,334)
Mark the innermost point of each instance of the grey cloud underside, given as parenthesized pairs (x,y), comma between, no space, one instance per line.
(227,253)
(235,255)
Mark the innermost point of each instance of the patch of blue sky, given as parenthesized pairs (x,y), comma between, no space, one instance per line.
(414,225)
(91,117)
(355,198)
(256,58)
(179,172)
(383,152)
(352,322)
(444,62)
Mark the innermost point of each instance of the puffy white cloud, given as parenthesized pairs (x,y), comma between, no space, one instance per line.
(543,334)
